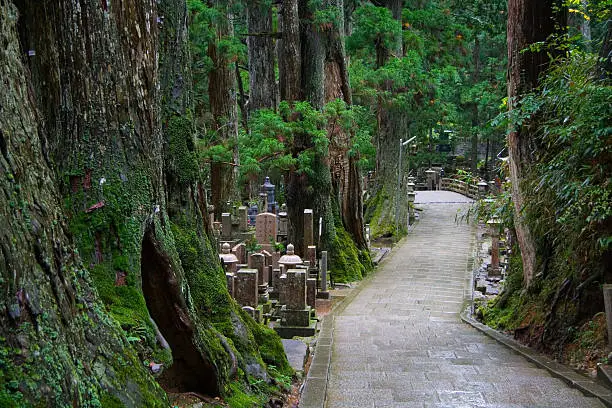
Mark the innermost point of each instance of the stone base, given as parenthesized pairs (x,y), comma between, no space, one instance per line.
(323,295)
(288,332)
(295,317)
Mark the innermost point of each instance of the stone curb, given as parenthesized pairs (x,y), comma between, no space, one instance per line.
(572,378)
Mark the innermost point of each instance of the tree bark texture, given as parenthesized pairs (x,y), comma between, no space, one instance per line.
(110,91)
(263,91)
(313,56)
(392,125)
(346,179)
(61,347)
(222,94)
(290,57)
(529,21)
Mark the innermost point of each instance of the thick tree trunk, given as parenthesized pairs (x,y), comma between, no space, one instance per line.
(60,346)
(222,94)
(313,56)
(529,21)
(346,179)
(302,191)
(290,57)
(127,171)
(475,120)
(263,92)
(386,200)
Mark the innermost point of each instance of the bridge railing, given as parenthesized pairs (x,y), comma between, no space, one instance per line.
(458,186)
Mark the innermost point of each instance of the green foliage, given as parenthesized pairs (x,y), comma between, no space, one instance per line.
(374,27)
(356,121)
(498,207)
(571,175)
(270,144)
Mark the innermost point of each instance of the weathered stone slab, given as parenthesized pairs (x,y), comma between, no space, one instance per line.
(245,287)
(243,219)
(295,289)
(229,277)
(308,230)
(299,318)
(311,292)
(265,228)
(226,226)
(311,255)
(257,261)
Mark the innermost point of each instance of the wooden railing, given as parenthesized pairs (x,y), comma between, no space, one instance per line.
(461,187)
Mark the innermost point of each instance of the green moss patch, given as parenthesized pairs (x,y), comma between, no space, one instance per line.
(347,263)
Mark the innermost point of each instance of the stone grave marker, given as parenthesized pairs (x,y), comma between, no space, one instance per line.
(265,230)
(226,226)
(243,219)
(257,261)
(245,287)
(311,292)
(308,229)
(311,255)
(323,293)
(240,251)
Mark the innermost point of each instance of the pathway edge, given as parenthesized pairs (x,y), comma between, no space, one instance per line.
(586,385)
(314,391)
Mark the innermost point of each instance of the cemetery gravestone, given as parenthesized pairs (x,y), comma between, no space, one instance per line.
(245,287)
(308,229)
(265,230)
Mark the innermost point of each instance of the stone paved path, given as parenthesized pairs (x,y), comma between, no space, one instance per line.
(400,342)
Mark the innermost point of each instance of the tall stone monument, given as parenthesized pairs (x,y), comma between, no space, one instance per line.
(308,230)
(265,230)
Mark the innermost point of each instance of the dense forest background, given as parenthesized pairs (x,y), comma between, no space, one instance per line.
(124,124)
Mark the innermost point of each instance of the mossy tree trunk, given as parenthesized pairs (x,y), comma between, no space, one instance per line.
(346,179)
(112,86)
(321,56)
(60,347)
(388,200)
(529,22)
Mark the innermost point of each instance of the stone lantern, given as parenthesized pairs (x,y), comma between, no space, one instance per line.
(431,179)
(411,198)
(230,261)
(290,259)
(492,187)
(482,189)
(494,225)
(410,186)
(268,193)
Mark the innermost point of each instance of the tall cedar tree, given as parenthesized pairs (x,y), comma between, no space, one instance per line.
(529,22)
